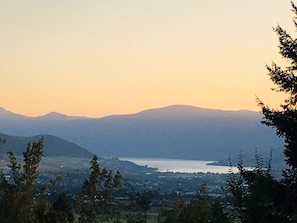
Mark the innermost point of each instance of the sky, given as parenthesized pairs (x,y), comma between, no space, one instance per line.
(95,57)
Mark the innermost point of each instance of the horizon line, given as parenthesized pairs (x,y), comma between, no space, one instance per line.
(51,113)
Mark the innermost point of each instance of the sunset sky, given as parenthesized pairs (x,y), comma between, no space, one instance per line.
(100,57)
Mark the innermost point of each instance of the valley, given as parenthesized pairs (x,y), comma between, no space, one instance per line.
(175,135)
(173,132)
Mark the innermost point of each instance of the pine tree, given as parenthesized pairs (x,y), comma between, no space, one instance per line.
(93,203)
(284,120)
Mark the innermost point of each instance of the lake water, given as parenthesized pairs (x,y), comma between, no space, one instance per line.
(177,165)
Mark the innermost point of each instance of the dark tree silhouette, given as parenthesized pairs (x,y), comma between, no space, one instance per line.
(144,201)
(63,208)
(255,195)
(20,197)
(285,119)
(93,203)
(200,209)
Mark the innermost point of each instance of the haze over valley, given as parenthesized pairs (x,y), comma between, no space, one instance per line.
(148,111)
(177,131)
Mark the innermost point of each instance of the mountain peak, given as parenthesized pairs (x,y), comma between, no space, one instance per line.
(5,114)
(187,111)
(54,115)
(4,111)
(59,116)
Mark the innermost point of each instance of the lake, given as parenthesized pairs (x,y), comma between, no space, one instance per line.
(178,165)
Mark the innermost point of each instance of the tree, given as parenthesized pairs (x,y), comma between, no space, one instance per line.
(93,203)
(199,210)
(172,214)
(284,120)
(254,195)
(63,208)
(144,200)
(19,194)
(18,201)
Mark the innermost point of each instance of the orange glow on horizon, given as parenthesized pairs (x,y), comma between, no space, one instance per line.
(99,58)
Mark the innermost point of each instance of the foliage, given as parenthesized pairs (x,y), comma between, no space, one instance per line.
(93,203)
(18,201)
(284,120)
(23,201)
(63,208)
(198,210)
(254,195)
(140,203)
(19,195)
(143,201)
(136,217)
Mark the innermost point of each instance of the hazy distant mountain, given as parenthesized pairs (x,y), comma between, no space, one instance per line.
(53,146)
(7,115)
(176,131)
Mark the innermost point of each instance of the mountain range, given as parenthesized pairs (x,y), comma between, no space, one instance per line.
(176,131)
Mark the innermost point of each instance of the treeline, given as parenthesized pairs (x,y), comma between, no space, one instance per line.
(251,195)
(23,201)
